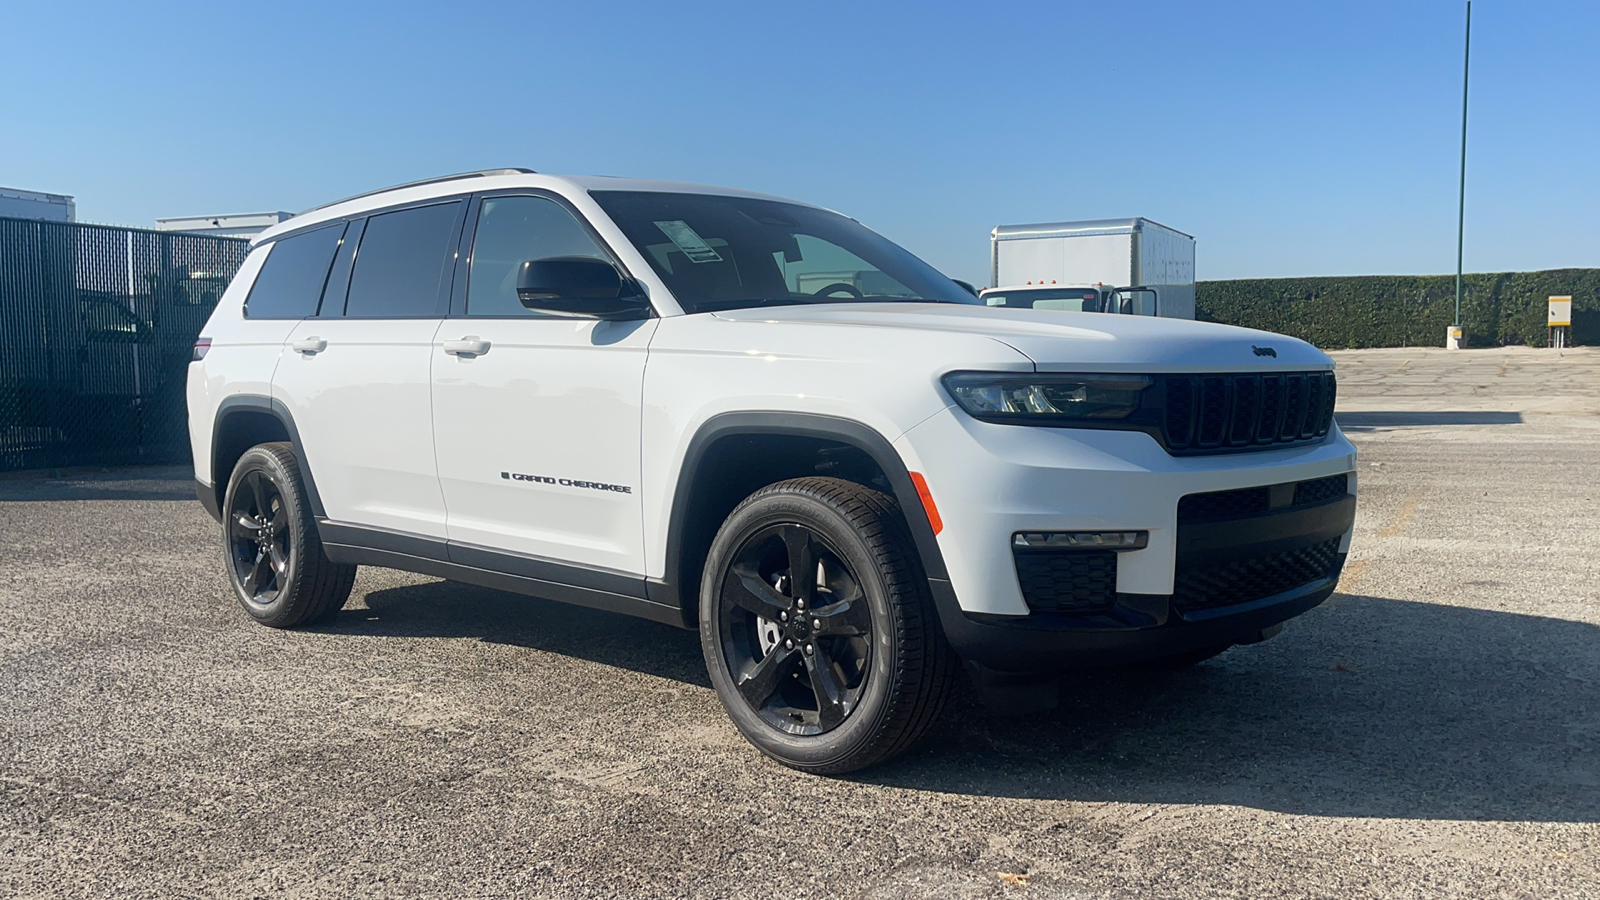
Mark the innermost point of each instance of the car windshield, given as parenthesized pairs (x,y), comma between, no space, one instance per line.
(1070,299)
(717,253)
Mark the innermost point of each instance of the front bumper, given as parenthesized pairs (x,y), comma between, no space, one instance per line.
(991,481)
(1038,643)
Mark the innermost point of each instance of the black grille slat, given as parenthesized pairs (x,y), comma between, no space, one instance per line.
(1271,409)
(1294,406)
(1246,409)
(1214,410)
(1313,417)
(1180,411)
(1069,581)
(1330,390)
(1206,585)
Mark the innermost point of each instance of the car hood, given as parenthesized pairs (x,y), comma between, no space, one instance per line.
(1056,340)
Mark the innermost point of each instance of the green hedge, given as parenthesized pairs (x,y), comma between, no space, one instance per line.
(1405,310)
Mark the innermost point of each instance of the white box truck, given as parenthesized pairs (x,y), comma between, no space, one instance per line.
(1104,265)
(19,204)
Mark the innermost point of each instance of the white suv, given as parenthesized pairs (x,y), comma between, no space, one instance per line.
(758,419)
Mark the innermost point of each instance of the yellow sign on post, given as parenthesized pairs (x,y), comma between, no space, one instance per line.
(1560,311)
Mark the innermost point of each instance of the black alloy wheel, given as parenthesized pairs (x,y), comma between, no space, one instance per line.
(796,630)
(275,560)
(259,538)
(818,629)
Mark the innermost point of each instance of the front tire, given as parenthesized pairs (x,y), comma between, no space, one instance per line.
(817,628)
(274,556)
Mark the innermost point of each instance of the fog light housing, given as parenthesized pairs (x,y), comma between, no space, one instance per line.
(1080,540)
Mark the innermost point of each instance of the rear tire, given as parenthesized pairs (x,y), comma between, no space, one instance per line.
(273,554)
(817,627)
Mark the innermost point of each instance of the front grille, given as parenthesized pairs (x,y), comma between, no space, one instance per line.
(1071,581)
(1225,413)
(1256,501)
(1204,585)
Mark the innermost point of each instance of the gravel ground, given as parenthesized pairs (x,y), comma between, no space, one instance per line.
(1432,731)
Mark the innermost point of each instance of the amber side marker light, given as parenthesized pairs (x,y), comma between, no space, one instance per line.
(927,502)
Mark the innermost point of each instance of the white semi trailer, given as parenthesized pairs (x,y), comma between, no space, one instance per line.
(1104,265)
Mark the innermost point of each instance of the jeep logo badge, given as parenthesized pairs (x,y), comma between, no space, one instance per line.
(1263,351)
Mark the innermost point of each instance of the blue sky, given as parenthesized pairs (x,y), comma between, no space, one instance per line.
(1291,138)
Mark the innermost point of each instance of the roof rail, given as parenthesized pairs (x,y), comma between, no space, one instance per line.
(485,173)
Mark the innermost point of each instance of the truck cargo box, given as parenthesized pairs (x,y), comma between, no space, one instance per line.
(1113,252)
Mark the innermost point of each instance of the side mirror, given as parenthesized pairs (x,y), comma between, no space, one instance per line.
(580,286)
(966,286)
(1137,301)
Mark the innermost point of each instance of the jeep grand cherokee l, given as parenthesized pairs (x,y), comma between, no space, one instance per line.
(761,420)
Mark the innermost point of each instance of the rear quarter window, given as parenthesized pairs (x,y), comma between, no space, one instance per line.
(290,283)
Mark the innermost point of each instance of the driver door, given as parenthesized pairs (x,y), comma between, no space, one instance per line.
(536,416)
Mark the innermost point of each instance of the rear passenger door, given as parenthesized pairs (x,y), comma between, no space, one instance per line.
(537,415)
(356,379)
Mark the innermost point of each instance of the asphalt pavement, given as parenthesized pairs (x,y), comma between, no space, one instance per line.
(1431,731)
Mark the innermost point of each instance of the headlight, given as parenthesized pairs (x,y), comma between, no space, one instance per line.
(1047,399)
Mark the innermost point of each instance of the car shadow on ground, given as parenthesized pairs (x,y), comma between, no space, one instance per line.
(453,609)
(1365,707)
(1369,421)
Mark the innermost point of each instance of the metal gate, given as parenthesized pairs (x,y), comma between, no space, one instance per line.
(96,329)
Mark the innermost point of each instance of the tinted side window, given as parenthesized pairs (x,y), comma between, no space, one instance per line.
(512,230)
(339,278)
(402,261)
(290,282)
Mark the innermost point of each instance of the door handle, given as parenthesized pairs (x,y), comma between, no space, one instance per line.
(311,346)
(469,346)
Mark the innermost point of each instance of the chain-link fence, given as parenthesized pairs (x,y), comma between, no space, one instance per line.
(97,325)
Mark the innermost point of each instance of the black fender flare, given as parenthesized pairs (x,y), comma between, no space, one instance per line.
(809,425)
(278,410)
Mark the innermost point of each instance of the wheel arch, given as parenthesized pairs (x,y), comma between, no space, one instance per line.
(697,506)
(243,421)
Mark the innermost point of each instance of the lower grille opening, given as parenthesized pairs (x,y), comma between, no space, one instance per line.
(1321,490)
(1205,585)
(1236,504)
(1069,581)
(1218,505)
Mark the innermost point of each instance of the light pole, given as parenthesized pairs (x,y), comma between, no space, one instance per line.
(1461,211)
